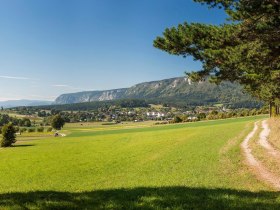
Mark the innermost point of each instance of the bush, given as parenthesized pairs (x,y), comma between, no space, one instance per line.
(31,130)
(177,119)
(16,129)
(201,116)
(22,130)
(9,135)
(40,129)
(49,129)
(26,122)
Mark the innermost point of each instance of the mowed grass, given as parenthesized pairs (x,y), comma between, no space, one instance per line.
(185,166)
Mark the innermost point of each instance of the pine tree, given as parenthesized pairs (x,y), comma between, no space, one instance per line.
(246,50)
(9,135)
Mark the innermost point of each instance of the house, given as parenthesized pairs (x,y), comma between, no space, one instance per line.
(155,114)
(192,118)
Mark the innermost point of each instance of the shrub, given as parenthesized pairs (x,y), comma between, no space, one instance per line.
(177,119)
(9,135)
(16,129)
(31,130)
(201,116)
(26,122)
(49,129)
(22,130)
(40,129)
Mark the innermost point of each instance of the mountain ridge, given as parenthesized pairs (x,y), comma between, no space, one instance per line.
(23,102)
(167,90)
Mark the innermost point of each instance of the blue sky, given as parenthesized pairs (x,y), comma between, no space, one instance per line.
(50,47)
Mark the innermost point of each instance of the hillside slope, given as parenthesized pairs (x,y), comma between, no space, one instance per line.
(175,89)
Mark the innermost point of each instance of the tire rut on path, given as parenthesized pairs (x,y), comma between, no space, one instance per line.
(264,142)
(258,168)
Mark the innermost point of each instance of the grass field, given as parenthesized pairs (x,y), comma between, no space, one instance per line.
(134,166)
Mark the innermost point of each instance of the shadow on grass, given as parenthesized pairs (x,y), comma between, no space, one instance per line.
(23,145)
(143,198)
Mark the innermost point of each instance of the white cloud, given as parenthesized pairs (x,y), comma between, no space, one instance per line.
(40,97)
(61,86)
(7,99)
(68,87)
(11,77)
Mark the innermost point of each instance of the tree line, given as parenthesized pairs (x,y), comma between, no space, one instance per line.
(9,130)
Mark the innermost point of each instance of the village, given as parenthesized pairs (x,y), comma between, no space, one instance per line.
(158,113)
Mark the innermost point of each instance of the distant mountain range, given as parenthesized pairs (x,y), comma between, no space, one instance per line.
(174,90)
(23,102)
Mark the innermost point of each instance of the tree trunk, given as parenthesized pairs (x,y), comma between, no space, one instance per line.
(277,110)
(273,109)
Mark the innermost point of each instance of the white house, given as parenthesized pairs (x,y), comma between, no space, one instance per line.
(155,114)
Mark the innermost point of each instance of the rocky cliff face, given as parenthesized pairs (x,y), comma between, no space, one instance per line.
(90,96)
(175,88)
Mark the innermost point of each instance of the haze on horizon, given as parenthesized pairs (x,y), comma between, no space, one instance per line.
(51,47)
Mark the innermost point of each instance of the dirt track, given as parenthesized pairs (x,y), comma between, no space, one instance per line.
(264,143)
(258,168)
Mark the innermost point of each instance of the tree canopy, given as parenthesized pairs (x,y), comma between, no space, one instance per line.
(57,122)
(246,49)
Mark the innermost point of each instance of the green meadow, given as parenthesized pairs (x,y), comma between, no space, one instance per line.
(134,166)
